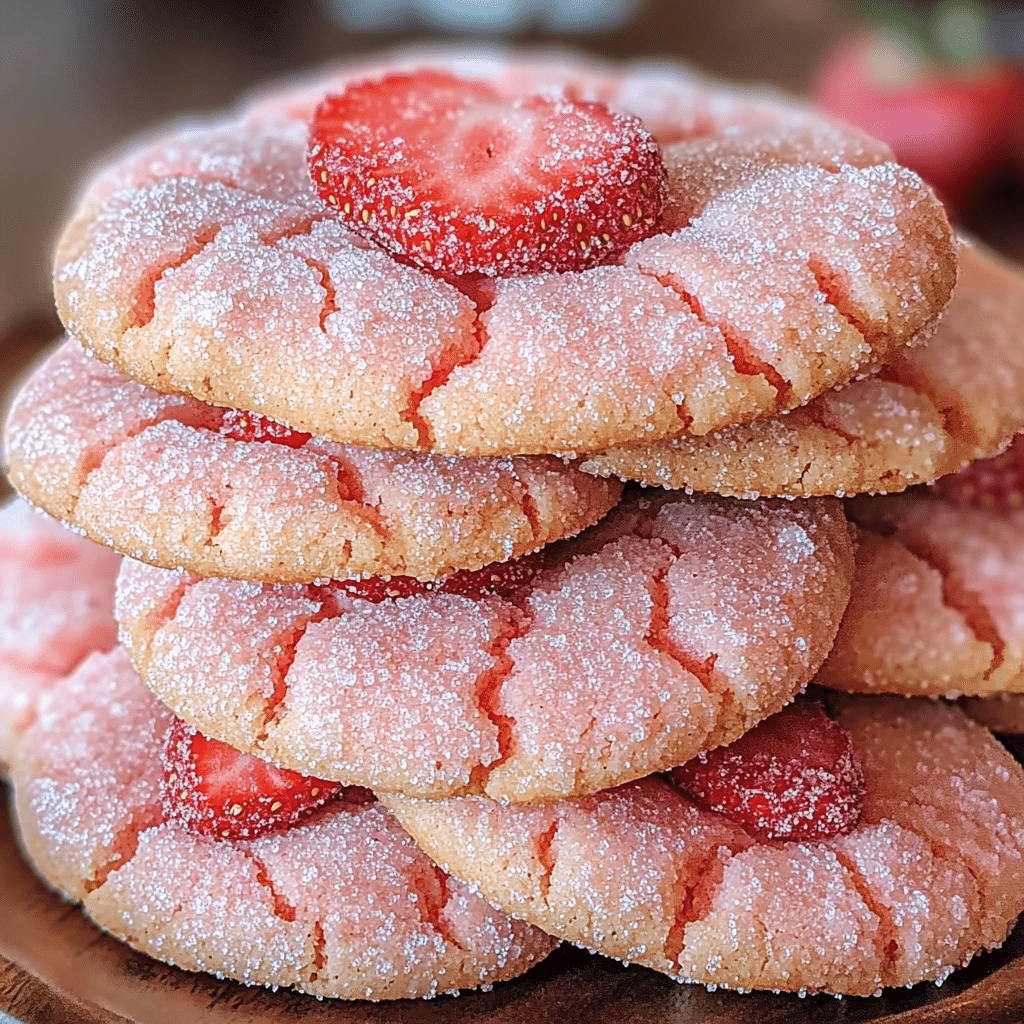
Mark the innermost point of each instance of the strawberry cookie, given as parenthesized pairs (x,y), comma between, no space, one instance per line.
(487,261)
(179,483)
(931,410)
(672,626)
(883,848)
(122,810)
(938,597)
(56,607)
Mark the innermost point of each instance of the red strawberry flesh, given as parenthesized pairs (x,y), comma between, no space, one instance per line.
(453,176)
(212,789)
(793,777)
(250,426)
(996,483)
(502,579)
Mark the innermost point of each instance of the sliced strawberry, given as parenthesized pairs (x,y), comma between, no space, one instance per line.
(453,176)
(795,776)
(251,426)
(996,483)
(215,790)
(500,578)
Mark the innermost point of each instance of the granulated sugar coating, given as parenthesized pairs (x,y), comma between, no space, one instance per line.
(930,411)
(933,872)
(801,258)
(56,607)
(148,474)
(938,601)
(343,905)
(672,626)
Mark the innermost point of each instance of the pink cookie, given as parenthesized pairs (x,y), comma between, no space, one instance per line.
(153,476)
(932,873)
(56,607)
(928,412)
(938,601)
(672,626)
(794,255)
(342,905)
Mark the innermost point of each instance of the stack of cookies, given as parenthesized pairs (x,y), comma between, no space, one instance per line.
(354,378)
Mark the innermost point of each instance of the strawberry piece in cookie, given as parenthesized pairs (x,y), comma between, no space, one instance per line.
(240,425)
(458,178)
(501,579)
(795,776)
(996,483)
(214,790)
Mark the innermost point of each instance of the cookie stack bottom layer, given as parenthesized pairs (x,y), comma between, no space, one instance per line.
(932,874)
(342,905)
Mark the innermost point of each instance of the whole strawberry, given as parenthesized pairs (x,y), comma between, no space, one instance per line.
(453,176)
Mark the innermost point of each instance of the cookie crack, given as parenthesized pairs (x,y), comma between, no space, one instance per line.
(288,642)
(318,958)
(816,414)
(330,304)
(657,635)
(743,358)
(960,598)
(143,307)
(125,845)
(487,695)
(887,950)
(452,359)
(431,906)
(282,908)
(546,857)
(830,286)
(692,896)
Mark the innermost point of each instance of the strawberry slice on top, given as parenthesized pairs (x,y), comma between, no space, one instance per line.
(212,789)
(795,776)
(453,176)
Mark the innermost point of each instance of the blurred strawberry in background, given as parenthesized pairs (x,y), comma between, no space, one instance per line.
(931,85)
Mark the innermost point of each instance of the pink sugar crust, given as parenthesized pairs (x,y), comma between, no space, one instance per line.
(672,626)
(931,410)
(938,601)
(190,271)
(932,873)
(343,905)
(148,474)
(56,607)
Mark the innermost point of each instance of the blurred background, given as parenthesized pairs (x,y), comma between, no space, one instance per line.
(79,75)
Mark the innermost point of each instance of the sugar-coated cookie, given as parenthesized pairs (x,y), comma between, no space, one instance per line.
(928,412)
(340,905)
(931,874)
(672,626)
(56,607)
(793,255)
(164,479)
(937,605)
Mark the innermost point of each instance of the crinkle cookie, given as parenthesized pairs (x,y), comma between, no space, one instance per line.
(932,873)
(165,479)
(56,607)
(931,410)
(343,904)
(937,605)
(793,255)
(672,626)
